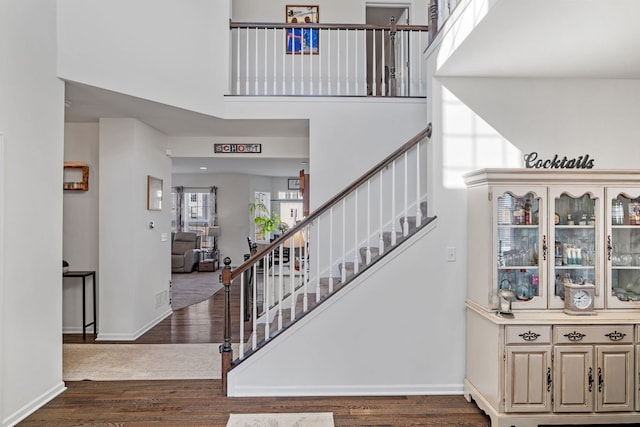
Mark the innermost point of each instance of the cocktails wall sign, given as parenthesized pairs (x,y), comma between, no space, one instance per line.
(533,161)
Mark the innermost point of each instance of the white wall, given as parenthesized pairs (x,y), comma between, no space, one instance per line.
(31,121)
(573,117)
(80,223)
(347,136)
(330,11)
(404,339)
(100,44)
(135,261)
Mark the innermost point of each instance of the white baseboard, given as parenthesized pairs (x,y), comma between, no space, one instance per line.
(107,336)
(33,406)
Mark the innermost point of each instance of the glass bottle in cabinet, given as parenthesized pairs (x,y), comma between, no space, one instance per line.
(574,239)
(519,247)
(623,248)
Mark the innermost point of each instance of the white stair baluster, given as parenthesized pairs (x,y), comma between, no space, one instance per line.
(347,55)
(343,273)
(320,63)
(331,250)
(374,78)
(242,297)
(356,253)
(318,260)
(254,314)
(284,66)
(383,66)
(256,90)
(301,68)
(280,285)
(356,60)
(393,203)
(274,91)
(292,276)
(368,233)
(268,283)
(403,64)
(303,267)
(293,73)
(266,62)
(418,210)
(381,231)
(339,78)
(329,91)
(238,53)
(405,228)
(246,66)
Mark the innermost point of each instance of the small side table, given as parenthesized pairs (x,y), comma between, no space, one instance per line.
(84,275)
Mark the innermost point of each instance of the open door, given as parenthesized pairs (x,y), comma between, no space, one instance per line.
(304,189)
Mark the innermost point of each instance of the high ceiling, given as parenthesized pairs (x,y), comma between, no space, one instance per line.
(551,39)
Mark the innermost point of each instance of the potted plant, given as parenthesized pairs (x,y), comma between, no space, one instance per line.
(266,222)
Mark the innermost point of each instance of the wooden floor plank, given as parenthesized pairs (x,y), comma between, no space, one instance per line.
(200,402)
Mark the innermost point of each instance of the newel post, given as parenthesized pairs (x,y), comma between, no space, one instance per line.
(433,19)
(225,349)
(392,56)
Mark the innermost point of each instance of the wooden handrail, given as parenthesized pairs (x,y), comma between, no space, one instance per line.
(279,25)
(425,133)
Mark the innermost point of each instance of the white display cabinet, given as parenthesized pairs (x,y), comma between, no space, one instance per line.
(530,232)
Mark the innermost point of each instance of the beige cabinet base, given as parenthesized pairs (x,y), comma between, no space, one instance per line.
(501,419)
(551,368)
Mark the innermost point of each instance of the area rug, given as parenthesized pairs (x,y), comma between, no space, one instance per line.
(115,362)
(191,288)
(310,419)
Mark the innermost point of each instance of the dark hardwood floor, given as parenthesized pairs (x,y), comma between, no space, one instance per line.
(200,403)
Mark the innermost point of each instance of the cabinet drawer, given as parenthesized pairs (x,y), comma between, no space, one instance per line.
(600,334)
(539,334)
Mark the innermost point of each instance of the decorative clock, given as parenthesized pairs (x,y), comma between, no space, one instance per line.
(579,298)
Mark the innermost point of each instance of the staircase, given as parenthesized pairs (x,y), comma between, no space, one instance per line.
(334,245)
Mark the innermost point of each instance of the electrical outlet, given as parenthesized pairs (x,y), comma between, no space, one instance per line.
(451,254)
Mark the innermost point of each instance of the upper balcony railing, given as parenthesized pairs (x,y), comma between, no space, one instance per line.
(327,60)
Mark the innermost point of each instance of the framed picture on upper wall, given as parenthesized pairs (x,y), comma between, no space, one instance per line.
(302,40)
(154,193)
(293,184)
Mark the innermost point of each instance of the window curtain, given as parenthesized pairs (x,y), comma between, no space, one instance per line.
(213,200)
(179,208)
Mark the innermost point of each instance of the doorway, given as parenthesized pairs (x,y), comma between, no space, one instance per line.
(378,47)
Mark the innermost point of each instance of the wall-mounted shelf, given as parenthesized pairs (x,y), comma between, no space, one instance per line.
(76,176)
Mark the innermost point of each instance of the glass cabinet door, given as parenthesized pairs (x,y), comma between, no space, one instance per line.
(623,248)
(574,245)
(519,246)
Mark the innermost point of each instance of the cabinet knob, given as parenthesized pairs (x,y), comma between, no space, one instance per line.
(544,248)
(609,248)
(590,379)
(549,380)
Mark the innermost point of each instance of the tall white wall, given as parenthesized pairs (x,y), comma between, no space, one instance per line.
(134,259)
(347,136)
(161,50)
(80,223)
(31,125)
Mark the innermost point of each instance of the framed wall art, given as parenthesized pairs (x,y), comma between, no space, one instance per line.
(293,183)
(302,40)
(154,193)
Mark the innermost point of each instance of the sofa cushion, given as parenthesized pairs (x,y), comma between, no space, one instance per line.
(181,247)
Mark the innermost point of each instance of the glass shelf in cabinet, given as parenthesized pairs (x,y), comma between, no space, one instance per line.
(573,227)
(573,267)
